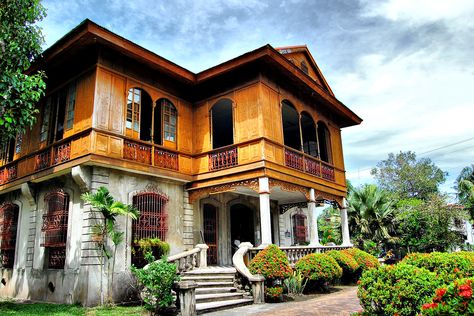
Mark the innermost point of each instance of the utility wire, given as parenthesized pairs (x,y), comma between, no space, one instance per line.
(445,146)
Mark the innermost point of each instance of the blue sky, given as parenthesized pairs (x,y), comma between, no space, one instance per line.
(405,66)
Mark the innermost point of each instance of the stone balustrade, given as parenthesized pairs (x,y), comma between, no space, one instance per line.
(257,281)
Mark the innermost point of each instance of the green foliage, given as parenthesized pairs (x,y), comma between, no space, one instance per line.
(424,226)
(371,214)
(371,247)
(319,268)
(406,177)
(348,264)
(157,280)
(329,226)
(365,260)
(295,284)
(400,289)
(455,299)
(20,44)
(154,246)
(272,263)
(273,293)
(465,189)
(448,267)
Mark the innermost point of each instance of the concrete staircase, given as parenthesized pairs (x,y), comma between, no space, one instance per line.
(216,289)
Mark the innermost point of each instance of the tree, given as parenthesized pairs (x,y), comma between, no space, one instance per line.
(406,177)
(329,226)
(432,225)
(20,44)
(465,189)
(105,203)
(371,214)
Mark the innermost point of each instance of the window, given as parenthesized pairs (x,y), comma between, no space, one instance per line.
(8,230)
(300,230)
(291,125)
(304,67)
(55,221)
(222,124)
(7,151)
(308,129)
(169,120)
(133,109)
(71,104)
(139,113)
(152,222)
(324,140)
(19,142)
(45,123)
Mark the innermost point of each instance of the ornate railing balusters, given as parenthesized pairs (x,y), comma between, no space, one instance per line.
(223,159)
(308,164)
(166,159)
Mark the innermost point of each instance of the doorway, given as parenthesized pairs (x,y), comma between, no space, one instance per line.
(241,224)
(210,232)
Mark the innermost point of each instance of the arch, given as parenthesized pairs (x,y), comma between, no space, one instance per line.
(324,141)
(152,222)
(55,227)
(9,213)
(308,129)
(139,113)
(291,125)
(300,228)
(222,123)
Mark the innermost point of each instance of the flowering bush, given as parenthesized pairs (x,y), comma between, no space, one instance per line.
(400,289)
(447,266)
(455,299)
(272,263)
(348,264)
(319,268)
(364,259)
(273,294)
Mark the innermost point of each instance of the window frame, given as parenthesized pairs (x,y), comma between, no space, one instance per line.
(15,208)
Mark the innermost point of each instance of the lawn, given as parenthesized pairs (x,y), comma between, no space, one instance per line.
(13,308)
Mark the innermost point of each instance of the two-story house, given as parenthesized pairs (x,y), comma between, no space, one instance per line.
(244,150)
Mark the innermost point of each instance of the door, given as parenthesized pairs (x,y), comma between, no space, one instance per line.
(210,232)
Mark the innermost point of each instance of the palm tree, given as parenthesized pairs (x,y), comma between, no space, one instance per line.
(465,188)
(105,203)
(371,213)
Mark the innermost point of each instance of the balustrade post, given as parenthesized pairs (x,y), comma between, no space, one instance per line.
(314,238)
(346,240)
(202,255)
(265,218)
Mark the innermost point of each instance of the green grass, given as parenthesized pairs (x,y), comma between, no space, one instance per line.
(13,308)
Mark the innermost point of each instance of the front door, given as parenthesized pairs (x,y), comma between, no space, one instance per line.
(210,232)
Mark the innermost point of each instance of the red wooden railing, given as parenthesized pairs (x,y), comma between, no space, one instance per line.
(137,152)
(166,159)
(8,173)
(222,159)
(308,164)
(53,156)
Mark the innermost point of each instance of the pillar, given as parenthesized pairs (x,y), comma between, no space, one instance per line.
(265,215)
(346,240)
(313,225)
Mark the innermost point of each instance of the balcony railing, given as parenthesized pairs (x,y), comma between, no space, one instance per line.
(53,156)
(223,159)
(142,153)
(308,164)
(137,152)
(8,173)
(166,159)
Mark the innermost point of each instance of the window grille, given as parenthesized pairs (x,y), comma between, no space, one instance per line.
(55,220)
(8,230)
(152,222)
(299,228)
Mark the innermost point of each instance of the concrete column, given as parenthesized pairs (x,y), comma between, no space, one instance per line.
(187,298)
(346,240)
(313,225)
(202,255)
(265,215)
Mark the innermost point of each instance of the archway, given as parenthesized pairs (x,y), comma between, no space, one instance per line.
(242,224)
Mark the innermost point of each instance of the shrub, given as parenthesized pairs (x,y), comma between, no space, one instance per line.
(364,259)
(319,268)
(295,284)
(455,299)
(273,294)
(272,263)
(348,264)
(447,266)
(399,289)
(156,281)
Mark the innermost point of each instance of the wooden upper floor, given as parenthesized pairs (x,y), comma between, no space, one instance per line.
(110,102)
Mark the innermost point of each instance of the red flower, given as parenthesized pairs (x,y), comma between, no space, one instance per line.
(429,305)
(456,270)
(440,292)
(466,293)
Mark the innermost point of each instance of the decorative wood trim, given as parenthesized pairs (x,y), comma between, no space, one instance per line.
(285,207)
(289,187)
(197,194)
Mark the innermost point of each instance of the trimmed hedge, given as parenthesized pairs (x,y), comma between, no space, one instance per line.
(272,263)
(455,299)
(400,289)
(348,264)
(319,268)
(364,259)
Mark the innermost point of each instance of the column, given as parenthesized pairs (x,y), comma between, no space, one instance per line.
(346,240)
(313,225)
(265,216)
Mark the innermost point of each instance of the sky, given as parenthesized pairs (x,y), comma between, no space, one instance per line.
(405,66)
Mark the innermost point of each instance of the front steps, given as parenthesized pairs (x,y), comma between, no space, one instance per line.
(216,289)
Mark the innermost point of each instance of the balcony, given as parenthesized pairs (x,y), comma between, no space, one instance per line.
(147,153)
(53,156)
(8,173)
(308,164)
(223,158)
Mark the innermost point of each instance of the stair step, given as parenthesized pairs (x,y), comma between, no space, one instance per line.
(209,290)
(215,284)
(214,297)
(213,306)
(212,270)
(205,275)
(211,278)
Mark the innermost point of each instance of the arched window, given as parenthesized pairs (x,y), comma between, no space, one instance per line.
(222,124)
(291,125)
(8,229)
(152,222)
(308,128)
(139,113)
(169,120)
(55,220)
(324,140)
(300,230)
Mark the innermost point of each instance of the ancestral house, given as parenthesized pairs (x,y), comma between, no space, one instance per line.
(244,150)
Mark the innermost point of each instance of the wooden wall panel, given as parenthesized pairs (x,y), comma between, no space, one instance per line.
(246,114)
(102,99)
(201,132)
(84,102)
(117,104)
(271,114)
(297,58)
(81,146)
(185,164)
(185,127)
